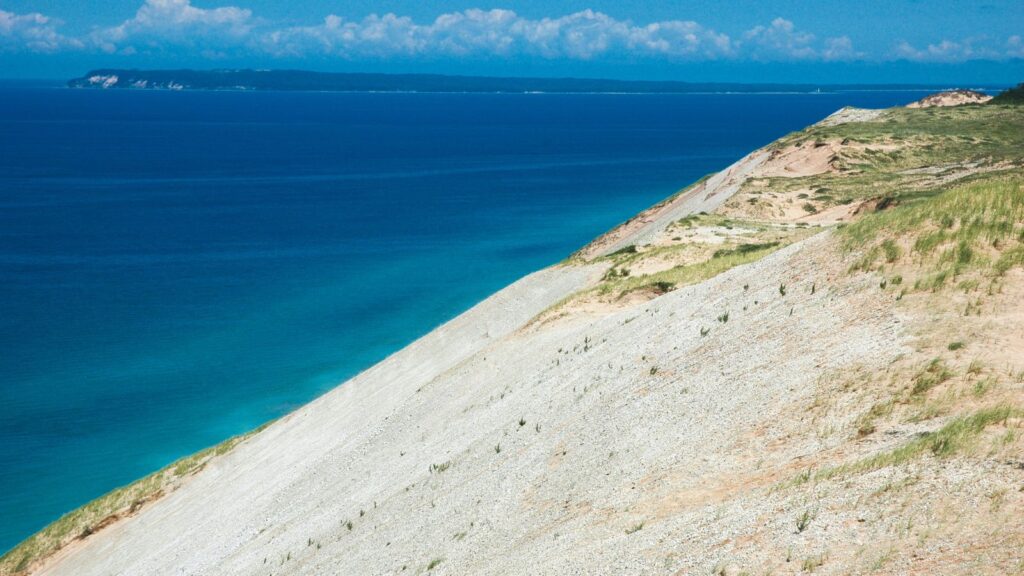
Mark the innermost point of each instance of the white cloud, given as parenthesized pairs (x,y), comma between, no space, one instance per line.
(159,23)
(779,40)
(782,41)
(582,35)
(1014,47)
(176,26)
(34,31)
(948,51)
(840,48)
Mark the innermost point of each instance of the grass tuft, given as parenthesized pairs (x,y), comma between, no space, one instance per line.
(955,437)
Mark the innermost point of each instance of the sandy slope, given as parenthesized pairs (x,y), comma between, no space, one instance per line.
(705,196)
(617,444)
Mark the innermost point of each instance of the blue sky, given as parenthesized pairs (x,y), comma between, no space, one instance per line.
(936,41)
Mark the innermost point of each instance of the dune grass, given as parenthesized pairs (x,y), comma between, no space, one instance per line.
(1013,96)
(907,150)
(119,503)
(688,274)
(973,226)
(957,436)
(930,136)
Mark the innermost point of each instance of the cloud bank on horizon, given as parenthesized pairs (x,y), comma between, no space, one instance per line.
(225,32)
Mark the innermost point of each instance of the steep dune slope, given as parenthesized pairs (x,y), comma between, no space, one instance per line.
(637,410)
(735,392)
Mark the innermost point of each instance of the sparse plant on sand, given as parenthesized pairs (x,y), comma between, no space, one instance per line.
(932,375)
(803,521)
(635,528)
(812,563)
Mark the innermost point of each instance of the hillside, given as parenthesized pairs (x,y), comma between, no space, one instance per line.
(811,362)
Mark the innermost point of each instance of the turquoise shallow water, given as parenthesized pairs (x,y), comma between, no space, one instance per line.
(181,267)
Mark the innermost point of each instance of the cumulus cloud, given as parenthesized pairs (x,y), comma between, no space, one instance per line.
(840,48)
(581,35)
(780,39)
(34,31)
(957,50)
(177,26)
(159,23)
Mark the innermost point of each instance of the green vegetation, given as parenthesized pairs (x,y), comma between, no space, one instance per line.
(931,376)
(635,528)
(631,249)
(905,152)
(812,563)
(1012,96)
(686,274)
(746,241)
(956,436)
(866,423)
(110,507)
(945,186)
(974,226)
(803,521)
(744,249)
(440,467)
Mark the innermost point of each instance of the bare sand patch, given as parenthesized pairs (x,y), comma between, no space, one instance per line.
(951,98)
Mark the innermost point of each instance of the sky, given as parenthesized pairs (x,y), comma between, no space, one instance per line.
(954,43)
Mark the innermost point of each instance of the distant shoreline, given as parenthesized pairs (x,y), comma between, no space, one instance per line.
(362,83)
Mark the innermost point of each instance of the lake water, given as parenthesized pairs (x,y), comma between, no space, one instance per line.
(176,268)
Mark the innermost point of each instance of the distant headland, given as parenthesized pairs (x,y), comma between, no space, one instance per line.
(110,78)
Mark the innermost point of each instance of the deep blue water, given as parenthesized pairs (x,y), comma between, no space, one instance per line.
(176,268)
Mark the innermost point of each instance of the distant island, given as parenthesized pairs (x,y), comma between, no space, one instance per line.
(110,78)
